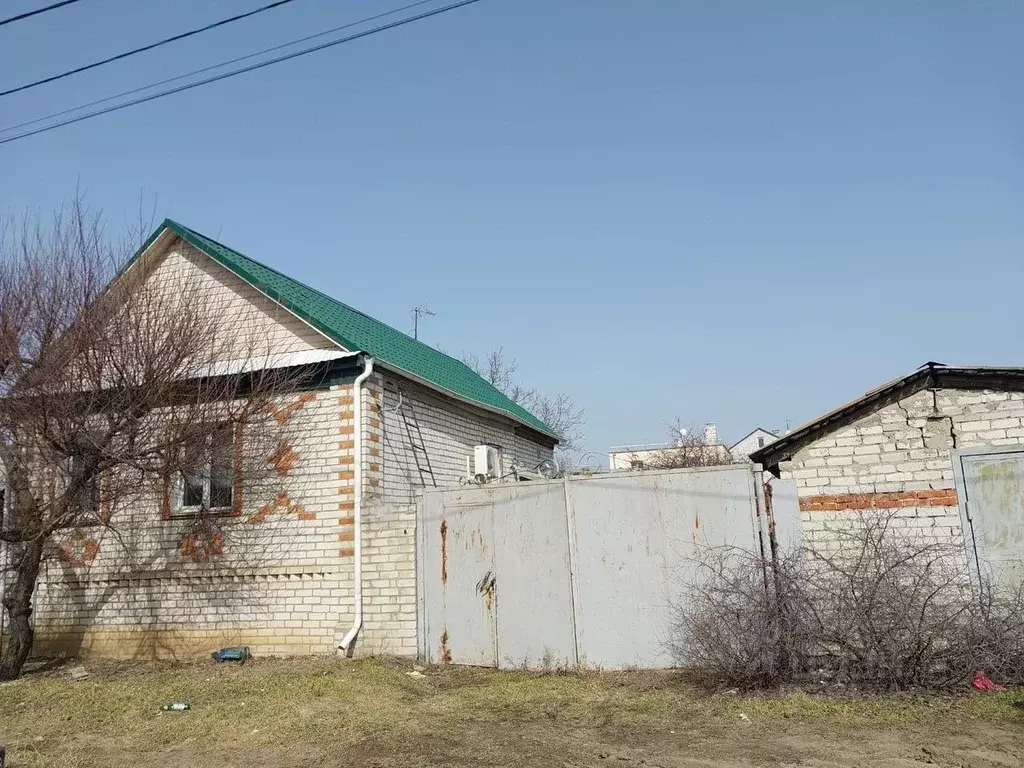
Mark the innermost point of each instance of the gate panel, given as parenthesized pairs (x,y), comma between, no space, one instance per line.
(993,490)
(458,579)
(533,591)
(635,534)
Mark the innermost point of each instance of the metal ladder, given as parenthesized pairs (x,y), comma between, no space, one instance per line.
(419,448)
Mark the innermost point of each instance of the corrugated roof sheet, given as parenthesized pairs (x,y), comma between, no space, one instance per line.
(357,331)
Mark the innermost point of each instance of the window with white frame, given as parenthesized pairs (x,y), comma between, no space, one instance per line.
(206,481)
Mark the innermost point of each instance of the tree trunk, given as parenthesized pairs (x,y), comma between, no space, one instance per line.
(18,605)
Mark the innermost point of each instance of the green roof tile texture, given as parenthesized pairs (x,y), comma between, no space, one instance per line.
(357,331)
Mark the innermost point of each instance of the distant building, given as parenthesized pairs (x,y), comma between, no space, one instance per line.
(753,441)
(707,449)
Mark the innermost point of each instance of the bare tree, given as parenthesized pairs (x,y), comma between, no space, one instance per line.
(559,412)
(114,390)
(688,448)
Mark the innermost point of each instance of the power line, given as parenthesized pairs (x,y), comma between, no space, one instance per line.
(27,14)
(242,70)
(143,49)
(273,48)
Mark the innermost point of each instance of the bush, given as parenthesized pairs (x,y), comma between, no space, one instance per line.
(878,608)
(737,623)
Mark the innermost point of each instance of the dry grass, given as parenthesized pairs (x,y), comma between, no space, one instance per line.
(327,712)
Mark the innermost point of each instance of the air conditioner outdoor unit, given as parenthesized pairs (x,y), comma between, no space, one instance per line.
(485,463)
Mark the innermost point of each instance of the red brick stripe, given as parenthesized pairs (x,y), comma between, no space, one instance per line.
(941,498)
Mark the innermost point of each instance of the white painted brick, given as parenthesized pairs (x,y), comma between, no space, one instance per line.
(1005,423)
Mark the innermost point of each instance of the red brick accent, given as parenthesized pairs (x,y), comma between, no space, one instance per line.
(348,474)
(283,459)
(374,423)
(282,505)
(945,497)
(375,452)
(348,553)
(375,467)
(348,429)
(346,505)
(346,445)
(346,460)
(78,551)
(346,521)
(345,400)
(347,536)
(283,415)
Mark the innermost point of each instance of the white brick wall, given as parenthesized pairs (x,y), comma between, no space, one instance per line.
(276,579)
(252,322)
(389,570)
(905,447)
(449,431)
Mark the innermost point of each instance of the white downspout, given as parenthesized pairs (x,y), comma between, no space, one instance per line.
(357,514)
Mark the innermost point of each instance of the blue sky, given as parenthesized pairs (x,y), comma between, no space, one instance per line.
(739,212)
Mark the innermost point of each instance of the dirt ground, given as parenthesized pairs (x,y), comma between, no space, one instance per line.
(323,712)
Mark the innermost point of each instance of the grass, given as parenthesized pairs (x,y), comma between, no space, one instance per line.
(277,713)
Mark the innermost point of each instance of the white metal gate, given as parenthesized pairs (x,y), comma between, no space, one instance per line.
(576,572)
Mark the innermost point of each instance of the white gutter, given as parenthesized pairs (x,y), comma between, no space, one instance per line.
(357,514)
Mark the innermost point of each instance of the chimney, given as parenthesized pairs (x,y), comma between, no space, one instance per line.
(711,433)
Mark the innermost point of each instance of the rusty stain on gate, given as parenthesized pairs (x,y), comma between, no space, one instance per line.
(446,652)
(444,551)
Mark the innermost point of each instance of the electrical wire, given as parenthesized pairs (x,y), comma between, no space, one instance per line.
(200,71)
(36,12)
(143,49)
(242,70)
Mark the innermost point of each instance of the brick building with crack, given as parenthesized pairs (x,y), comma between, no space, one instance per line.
(941,448)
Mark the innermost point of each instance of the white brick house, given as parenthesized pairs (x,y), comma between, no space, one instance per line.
(942,447)
(753,441)
(327,563)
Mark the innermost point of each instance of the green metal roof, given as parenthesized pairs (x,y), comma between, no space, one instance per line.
(356,331)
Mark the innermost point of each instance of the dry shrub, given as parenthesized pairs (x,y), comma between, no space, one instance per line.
(735,623)
(880,607)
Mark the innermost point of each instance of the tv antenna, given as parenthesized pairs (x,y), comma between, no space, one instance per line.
(418,312)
